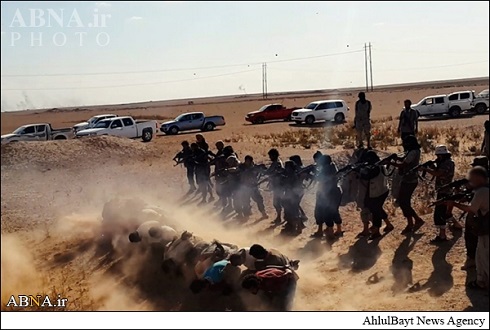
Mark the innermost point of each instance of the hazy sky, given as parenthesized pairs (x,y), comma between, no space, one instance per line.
(178,49)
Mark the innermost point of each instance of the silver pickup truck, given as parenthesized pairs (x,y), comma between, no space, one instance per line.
(37,132)
(123,127)
(192,121)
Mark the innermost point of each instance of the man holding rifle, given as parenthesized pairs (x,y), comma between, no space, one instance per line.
(443,173)
(479,206)
(407,177)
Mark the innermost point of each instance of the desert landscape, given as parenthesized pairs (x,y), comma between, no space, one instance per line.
(53,195)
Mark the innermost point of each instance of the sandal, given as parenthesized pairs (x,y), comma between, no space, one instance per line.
(438,239)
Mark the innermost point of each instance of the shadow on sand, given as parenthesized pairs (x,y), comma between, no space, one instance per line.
(441,279)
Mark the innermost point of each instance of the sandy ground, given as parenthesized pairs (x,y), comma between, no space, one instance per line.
(53,194)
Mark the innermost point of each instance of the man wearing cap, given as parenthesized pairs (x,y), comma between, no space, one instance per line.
(444,174)
(362,120)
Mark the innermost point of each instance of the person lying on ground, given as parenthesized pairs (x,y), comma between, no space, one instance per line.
(221,276)
(152,232)
(216,251)
(278,284)
(271,257)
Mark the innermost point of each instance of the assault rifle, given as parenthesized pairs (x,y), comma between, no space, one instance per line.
(454,184)
(462,196)
(344,171)
(390,158)
(430,164)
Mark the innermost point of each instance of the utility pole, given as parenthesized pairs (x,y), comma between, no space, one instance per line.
(371,66)
(264,80)
(366,66)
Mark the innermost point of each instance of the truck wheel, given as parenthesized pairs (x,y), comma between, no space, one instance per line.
(260,120)
(481,108)
(209,127)
(455,112)
(298,122)
(147,135)
(60,137)
(310,120)
(339,118)
(174,130)
(288,118)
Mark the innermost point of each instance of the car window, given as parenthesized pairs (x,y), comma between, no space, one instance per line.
(29,130)
(439,100)
(40,128)
(322,106)
(116,123)
(429,101)
(464,96)
(196,116)
(453,97)
(185,118)
(127,121)
(311,106)
(339,105)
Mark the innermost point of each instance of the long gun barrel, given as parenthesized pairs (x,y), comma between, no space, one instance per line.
(391,158)
(454,197)
(454,184)
(429,164)
(349,168)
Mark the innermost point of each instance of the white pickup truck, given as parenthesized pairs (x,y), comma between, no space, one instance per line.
(92,122)
(481,102)
(123,127)
(453,104)
(37,132)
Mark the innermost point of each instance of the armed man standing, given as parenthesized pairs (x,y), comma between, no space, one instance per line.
(185,156)
(362,120)
(409,121)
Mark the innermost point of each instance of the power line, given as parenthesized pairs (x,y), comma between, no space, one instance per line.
(127,85)
(176,69)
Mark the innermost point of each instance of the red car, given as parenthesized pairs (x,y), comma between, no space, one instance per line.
(270,112)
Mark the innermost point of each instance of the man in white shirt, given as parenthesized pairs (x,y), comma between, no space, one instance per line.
(479,205)
(152,232)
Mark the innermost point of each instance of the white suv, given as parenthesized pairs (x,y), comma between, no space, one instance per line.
(328,110)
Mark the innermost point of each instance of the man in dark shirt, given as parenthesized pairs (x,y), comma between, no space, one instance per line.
(271,257)
(200,158)
(444,174)
(409,121)
(185,157)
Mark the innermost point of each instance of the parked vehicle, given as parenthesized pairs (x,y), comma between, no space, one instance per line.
(460,102)
(192,121)
(37,132)
(481,102)
(270,112)
(453,104)
(124,127)
(329,110)
(92,122)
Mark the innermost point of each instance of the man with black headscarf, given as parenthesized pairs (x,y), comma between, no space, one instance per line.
(362,120)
